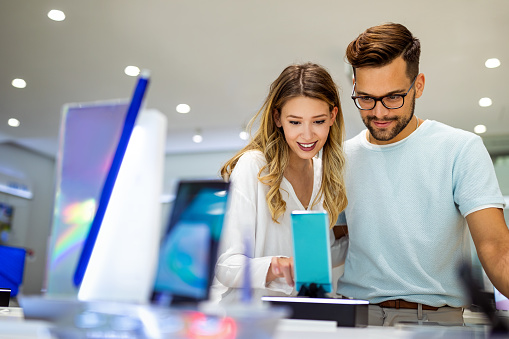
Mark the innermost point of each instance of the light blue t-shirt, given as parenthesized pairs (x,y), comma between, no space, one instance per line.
(405,213)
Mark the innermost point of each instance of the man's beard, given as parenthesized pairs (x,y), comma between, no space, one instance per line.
(386,135)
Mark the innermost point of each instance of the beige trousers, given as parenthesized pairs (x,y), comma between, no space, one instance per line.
(384,316)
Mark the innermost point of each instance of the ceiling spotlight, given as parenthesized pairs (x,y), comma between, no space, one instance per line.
(244,135)
(183,108)
(13,122)
(479,129)
(56,15)
(132,71)
(485,102)
(492,63)
(197,137)
(19,83)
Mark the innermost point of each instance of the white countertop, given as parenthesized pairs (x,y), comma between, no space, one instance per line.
(13,325)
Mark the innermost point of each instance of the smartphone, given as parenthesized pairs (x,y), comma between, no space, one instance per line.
(311,249)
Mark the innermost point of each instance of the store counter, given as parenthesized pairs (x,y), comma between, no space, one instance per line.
(13,325)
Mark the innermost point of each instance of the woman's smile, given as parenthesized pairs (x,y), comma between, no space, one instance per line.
(307,147)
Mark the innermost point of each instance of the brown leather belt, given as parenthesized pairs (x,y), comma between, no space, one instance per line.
(400,303)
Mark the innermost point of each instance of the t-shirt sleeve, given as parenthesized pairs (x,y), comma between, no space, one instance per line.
(474,180)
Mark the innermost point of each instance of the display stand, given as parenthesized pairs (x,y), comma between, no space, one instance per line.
(312,303)
(313,291)
(313,275)
(5,297)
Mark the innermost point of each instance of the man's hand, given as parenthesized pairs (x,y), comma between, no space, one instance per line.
(281,268)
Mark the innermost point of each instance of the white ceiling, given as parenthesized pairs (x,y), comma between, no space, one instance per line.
(221,56)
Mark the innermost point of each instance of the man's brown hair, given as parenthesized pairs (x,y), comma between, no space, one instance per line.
(380,45)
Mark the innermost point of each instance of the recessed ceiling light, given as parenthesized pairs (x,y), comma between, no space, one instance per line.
(132,71)
(19,83)
(56,15)
(479,129)
(492,63)
(13,122)
(183,108)
(197,138)
(485,102)
(244,135)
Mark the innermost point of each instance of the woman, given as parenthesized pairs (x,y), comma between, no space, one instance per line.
(277,172)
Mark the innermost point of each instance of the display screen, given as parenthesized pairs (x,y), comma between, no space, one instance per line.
(311,249)
(88,140)
(189,247)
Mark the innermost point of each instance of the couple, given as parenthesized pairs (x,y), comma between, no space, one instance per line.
(403,190)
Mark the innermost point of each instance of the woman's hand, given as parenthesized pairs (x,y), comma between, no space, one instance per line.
(281,268)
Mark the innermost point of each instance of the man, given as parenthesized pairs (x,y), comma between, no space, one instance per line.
(412,186)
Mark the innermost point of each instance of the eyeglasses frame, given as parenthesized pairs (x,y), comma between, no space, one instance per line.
(380,98)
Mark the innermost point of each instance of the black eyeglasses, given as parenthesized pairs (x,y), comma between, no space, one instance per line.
(393,101)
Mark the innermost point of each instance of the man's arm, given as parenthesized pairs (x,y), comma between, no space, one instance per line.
(491,238)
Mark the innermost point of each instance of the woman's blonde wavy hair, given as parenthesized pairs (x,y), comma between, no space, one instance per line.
(301,80)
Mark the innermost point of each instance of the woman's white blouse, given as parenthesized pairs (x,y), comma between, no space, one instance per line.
(249,233)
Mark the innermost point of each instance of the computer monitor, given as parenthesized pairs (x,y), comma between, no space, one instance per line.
(188,250)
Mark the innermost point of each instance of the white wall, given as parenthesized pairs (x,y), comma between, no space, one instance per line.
(501,164)
(189,166)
